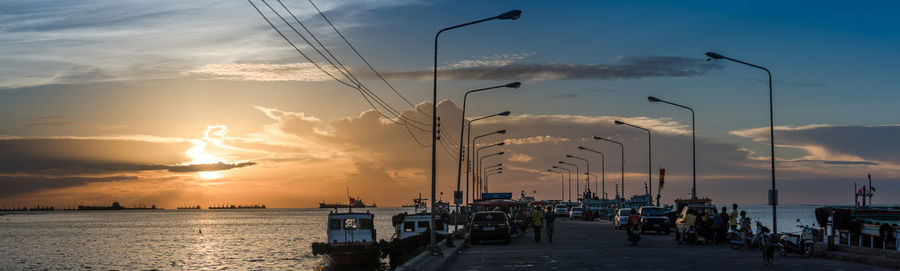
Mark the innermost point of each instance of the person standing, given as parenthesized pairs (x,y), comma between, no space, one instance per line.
(723,232)
(549,217)
(732,218)
(537,216)
(718,225)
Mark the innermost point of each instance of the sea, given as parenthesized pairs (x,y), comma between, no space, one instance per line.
(206,239)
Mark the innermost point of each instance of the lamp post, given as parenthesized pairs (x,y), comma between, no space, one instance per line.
(576,177)
(596,180)
(602,169)
(649,159)
(569,171)
(773,194)
(562,185)
(481,173)
(587,172)
(462,124)
(470,144)
(493,172)
(623,161)
(693,143)
(474,143)
(510,15)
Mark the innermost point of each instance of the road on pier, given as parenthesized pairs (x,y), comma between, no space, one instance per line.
(580,245)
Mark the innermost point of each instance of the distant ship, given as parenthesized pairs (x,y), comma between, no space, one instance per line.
(354,203)
(197,207)
(115,206)
(255,206)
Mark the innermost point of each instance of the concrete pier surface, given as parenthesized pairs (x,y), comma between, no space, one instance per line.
(580,245)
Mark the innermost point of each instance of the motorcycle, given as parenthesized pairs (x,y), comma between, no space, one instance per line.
(758,240)
(689,236)
(634,235)
(802,244)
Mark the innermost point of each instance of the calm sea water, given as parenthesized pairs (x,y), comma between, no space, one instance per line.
(230,239)
(169,239)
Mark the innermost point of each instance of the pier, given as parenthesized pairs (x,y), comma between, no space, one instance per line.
(580,245)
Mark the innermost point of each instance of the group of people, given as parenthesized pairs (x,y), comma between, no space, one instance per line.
(713,228)
(534,217)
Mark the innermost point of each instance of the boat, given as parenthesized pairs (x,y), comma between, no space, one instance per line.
(351,241)
(254,206)
(115,206)
(354,203)
(419,203)
(411,235)
(197,207)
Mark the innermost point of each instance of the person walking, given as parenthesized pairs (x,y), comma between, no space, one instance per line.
(732,218)
(549,217)
(537,216)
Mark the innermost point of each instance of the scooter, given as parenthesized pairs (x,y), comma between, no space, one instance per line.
(801,244)
(634,235)
(758,240)
(689,236)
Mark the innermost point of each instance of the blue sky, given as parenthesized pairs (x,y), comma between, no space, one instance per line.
(167,70)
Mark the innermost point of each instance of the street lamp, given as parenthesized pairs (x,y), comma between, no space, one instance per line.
(562,185)
(470,144)
(493,172)
(462,124)
(623,160)
(649,159)
(773,194)
(510,15)
(602,169)
(587,179)
(576,178)
(569,171)
(476,165)
(481,177)
(693,142)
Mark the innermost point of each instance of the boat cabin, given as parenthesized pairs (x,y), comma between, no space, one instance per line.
(351,227)
(413,225)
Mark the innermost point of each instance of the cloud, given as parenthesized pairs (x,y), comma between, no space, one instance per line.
(17,185)
(627,68)
(861,145)
(305,72)
(520,157)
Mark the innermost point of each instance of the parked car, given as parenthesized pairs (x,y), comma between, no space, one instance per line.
(621,219)
(489,225)
(561,210)
(575,212)
(654,218)
(705,209)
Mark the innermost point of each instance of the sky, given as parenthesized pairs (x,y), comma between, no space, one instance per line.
(178,103)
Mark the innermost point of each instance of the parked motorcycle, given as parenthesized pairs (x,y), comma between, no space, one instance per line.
(757,241)
(802,244)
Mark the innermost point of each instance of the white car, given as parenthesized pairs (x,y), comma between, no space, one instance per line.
(561,210)
(621,219)
(575,212)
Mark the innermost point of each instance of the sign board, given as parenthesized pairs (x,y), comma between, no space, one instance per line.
(457,197)
(496,195)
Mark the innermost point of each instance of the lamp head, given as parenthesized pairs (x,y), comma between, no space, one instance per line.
(510,15)
(550,170)
(597,138)
(714,55)
(653,99)
(501,143)
(513,85)
(561,162)
(502,131)
(581,148)
(569,155)
(500,153)
(555,167)
(617,122)
(504,113)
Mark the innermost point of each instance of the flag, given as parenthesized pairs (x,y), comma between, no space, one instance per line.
(662,178)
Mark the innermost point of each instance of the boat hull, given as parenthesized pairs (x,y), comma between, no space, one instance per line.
(355,256)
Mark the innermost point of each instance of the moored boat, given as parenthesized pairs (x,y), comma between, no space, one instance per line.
(351,241)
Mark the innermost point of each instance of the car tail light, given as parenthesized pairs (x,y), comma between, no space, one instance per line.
(476,227)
